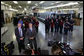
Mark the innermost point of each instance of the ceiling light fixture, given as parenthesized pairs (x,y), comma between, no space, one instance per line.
(33,7)
(20,6)
(52,3)
(6,4)
(2,2)
(41,2)
(58,2)
(15,2)
(68,4)
(10,6)
(29,2)
(25,9)
(13,9)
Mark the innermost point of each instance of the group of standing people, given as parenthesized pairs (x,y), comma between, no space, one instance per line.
(58,24)
(27,29)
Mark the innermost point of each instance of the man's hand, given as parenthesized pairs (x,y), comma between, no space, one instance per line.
(31,38)
(21,38)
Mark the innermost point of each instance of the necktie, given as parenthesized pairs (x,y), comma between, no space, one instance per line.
(31,29)
(21,32)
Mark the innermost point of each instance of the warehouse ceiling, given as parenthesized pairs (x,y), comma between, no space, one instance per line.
(39,4)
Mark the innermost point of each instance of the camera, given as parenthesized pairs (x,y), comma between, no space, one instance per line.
(7,49)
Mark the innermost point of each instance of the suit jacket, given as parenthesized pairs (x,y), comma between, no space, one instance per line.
(52,24)
(18,35)
(31,34)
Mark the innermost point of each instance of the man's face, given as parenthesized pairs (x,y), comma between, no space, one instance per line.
(30,25)
(19,24)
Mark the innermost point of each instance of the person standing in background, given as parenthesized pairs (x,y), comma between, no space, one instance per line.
(36,25)
(66,27)
(56,25)
(47,25)
(52,25)
(61,26)
(71,25)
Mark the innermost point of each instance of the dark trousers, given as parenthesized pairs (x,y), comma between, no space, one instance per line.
(36,29)
(56,28)
(47,29)
(65,31)
(21,45)
(71,28)
(51,29)
(33,42)
(61,27)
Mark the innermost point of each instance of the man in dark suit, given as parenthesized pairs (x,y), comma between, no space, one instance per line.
(47,25)
(56,25)
(61,26)
(31,35)
(19,32)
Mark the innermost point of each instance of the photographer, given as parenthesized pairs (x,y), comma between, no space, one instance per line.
(63,49)
(56,50)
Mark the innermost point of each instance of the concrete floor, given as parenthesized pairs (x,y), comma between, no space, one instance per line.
(75,39)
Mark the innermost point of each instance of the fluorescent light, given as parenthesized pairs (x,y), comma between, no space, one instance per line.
(10,6)
(13,9)
(52,3)
(15,2)
(70,9)
(2,3)
(58,2)
(41,2)
(36,4)
(68,4)
(25,9)
(29,2)
(7,4)
(20,6)
(33,7)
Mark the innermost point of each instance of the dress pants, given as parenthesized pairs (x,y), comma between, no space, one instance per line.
(65,31)
(71,28)
(21,45)
(33,42)
(61,27)
(36,29)
(45,29)
(51,29)
(56,28)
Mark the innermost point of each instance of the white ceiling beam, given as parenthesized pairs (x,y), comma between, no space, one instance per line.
(41,2)
(28,2)
(68,4)
(2,2)
(15,2)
